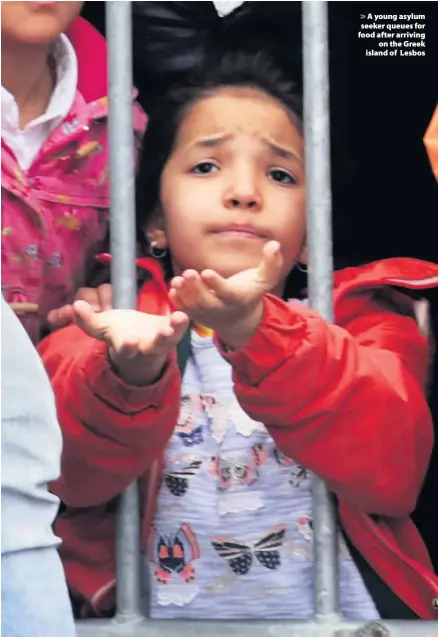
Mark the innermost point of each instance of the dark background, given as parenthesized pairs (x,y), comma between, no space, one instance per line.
(385,197)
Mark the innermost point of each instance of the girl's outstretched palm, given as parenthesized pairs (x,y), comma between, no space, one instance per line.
(232,307)
(139,343)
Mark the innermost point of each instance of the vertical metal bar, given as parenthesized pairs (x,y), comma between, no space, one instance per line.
(123,268)
(320,268)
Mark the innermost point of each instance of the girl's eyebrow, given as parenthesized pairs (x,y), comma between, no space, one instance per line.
(281,151)
(213,141)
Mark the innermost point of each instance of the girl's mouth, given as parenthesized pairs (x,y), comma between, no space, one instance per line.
(242,230)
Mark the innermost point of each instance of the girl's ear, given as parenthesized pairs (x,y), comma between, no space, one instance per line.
(155,232)
(303,258)
(157,238)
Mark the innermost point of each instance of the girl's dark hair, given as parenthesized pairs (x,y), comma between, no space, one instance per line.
(234,69)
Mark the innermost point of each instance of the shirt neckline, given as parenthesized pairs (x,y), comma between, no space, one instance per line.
(62,97)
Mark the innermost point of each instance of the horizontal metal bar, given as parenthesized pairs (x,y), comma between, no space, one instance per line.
(171,628)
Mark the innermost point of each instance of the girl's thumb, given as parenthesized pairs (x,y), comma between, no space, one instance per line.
(87,319)
(271,264)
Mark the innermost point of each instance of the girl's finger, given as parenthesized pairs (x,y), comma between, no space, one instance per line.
(194,292)
(175,299)
(190,292)
(167,335)
(175,329)
(61,317)
(105,293)
(220,286)
(176,283)
(176,291)
(184,287)
(180,326)
(87,319)
(179,320)
(160,343)
(157,344)
(168,339)
(270,266)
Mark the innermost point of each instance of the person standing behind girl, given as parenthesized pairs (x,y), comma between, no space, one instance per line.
(268,392)
(55,196)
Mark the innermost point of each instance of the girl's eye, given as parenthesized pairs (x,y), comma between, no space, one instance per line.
(282,177)
(205,168)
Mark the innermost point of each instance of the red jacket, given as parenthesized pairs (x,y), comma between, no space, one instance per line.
(361,398)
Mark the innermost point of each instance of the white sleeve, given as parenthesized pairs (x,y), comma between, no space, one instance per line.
(31,442)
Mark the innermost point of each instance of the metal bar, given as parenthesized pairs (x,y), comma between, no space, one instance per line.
(171,628)
(320,268)
(123,268)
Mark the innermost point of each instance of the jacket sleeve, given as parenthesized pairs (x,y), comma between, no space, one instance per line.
(112,432)
(348,402)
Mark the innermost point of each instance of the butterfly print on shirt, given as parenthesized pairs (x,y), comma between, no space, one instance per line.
(186,429)
(233,472)
(305,529)
(298,473)
(177,478)
(174,554)
(195,437)
(240,556)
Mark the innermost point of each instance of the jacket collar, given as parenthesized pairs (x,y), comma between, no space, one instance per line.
(403,272)
(91,51)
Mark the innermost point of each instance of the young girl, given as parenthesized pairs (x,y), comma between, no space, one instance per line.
(269,392)
(55,195)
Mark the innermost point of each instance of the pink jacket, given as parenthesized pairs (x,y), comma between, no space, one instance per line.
(55,215)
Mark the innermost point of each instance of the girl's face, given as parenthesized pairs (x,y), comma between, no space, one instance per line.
(234,181)
(36,23)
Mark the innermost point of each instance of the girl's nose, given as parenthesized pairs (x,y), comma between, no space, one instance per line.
(242,202)
(244,196)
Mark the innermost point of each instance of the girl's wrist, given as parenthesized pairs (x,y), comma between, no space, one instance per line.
(242,331)
(140,371)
